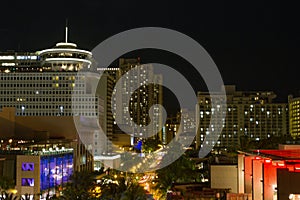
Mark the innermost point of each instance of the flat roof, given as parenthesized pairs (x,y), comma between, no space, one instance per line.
(279,154)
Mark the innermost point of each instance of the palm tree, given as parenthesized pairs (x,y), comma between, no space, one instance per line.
(134,192)
(8,196)
(182,170)
(80,186)
(26,197)
(113,190)
(119,190)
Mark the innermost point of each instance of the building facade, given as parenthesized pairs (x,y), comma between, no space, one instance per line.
(270,174)
(44,83)
(133,74)
(47,90)
(171,128)
(253,115)
(188,121)
(294,116)
(38,172)
(38,167)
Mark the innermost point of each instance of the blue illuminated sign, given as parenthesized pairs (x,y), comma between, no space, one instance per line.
(55,170)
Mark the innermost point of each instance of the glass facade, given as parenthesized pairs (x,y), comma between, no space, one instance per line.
(55,170)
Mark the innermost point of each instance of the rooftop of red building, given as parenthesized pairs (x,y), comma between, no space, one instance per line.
(293,154)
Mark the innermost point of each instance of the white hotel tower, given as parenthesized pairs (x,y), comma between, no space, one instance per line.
(42,83)
(49,85)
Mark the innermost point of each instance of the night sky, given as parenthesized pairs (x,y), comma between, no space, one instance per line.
(255,44)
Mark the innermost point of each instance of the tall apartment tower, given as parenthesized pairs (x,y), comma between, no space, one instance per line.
(141,100)
(294,116)
(250,114)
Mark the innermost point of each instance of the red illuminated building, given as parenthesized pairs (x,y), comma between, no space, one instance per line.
(270,174)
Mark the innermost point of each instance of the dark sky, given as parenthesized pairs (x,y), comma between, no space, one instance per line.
(255,44)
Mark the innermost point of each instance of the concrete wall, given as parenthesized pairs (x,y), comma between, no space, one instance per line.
(7,122)
(41,127)
(53,126)
(241,174)
(35,174)
(224,176)
(35,127)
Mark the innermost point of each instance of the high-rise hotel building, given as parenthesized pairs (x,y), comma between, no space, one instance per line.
(294,116)
(250,114)
(47,85)
(43,83)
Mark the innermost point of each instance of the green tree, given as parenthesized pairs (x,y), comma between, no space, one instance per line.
(150,145)
(80,186)
(6,183)
(134,192)
(111,189)
(182,170)
(247,144)
(118,189)
(273,142)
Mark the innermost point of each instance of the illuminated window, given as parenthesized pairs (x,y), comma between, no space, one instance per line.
(28,182)
(27,166)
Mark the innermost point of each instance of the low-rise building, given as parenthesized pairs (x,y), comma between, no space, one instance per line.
(40,167)
(270,174)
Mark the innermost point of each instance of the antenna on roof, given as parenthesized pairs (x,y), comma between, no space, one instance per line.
(66,36)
